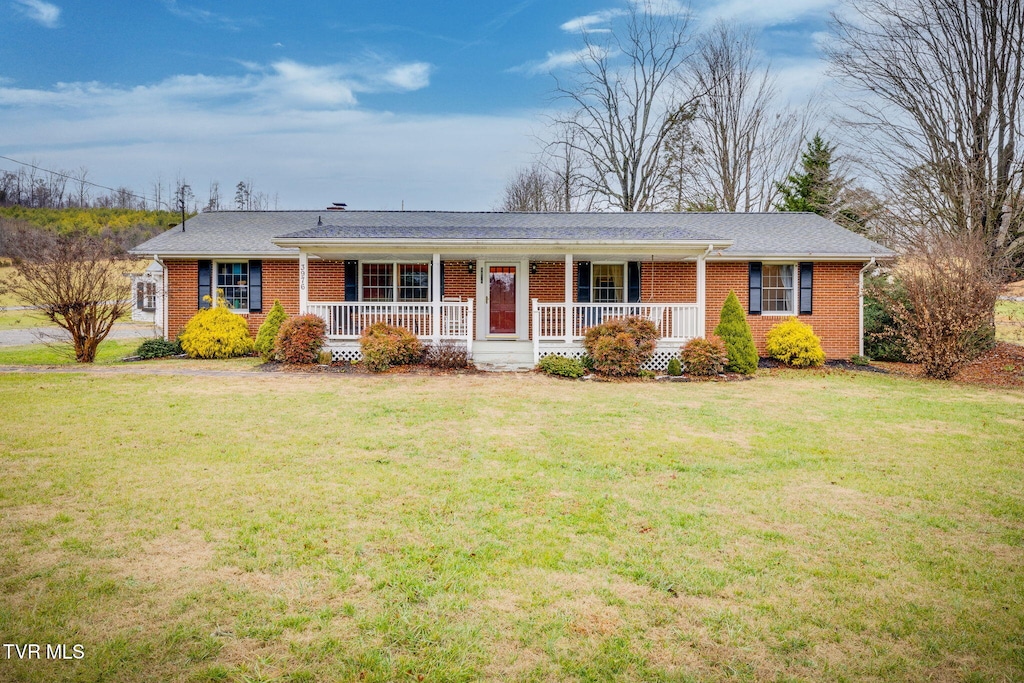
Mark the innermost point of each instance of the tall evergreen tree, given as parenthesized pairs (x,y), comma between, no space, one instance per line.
(816,188)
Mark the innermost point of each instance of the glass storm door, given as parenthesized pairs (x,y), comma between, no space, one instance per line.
(503,299)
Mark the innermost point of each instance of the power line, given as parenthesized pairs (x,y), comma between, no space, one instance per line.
(83,181)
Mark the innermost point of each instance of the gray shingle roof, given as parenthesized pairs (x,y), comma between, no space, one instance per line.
(245,233)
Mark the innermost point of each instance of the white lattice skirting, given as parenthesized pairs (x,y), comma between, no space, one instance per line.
(657,363)
(348,352)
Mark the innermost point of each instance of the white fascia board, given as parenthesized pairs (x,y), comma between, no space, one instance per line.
(789,258)
(491,246)
(222,256)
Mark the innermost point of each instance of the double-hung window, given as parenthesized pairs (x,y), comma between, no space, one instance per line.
(609,283)
(145,296)
(396,282)
(233,285)
(777,289)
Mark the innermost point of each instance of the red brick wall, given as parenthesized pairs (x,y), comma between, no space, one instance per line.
(668,282)
(280,281)
(836,318)
(458,281)
(326,280)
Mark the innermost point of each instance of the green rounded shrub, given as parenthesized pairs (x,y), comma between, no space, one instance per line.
(734,332)
(300,339)
(794,343)
(386,345)
(216,332)
(158,348)
(675,367)
(620,347)
(704,357)
(267,335)
(561,366)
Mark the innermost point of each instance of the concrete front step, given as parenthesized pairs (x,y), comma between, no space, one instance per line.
(503,356)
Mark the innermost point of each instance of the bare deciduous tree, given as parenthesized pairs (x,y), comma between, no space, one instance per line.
(622,105)
(744,141)
(77,282)
(940,86)
(531,189)
(941,308)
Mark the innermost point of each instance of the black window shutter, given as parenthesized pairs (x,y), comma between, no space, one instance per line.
(205,282)
(351,280)
(442,283)
(255,286)
(755,288)
(140,294)
(806,288)
(633,282)
(583,282)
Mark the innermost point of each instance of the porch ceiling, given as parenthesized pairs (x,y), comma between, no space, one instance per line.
(589,252)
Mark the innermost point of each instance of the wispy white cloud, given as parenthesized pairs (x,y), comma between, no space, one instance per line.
(766,13)
(554,61)
(202,16)
(592,23)
(44,13)
(284,84)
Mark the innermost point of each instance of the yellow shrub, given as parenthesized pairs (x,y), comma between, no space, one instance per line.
(795,343)
(216,332)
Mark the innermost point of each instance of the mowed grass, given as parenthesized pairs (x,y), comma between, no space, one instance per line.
(110,351)
(802,526)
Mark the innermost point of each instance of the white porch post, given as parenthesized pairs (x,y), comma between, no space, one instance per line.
(435,298)
(303,282)
(568,298)
(701,294)
(535,333)
(470,329)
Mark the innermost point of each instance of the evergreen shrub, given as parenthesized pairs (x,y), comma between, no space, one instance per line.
(735,333)
(386,345)
(619,347)
(216,332)
(267,335)
(794,343)
(300,339)
(561,366)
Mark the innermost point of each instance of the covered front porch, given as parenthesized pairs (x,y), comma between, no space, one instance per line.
(525,305)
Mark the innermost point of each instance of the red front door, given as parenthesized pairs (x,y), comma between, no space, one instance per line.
(503,299)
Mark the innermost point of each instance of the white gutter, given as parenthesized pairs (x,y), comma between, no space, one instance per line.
(164,303)
(860,289)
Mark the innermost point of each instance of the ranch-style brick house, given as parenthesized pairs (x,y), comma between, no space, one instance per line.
(513,287)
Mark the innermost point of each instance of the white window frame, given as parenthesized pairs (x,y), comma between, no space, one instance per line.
(794,289)
(148,295)
(396,285)
(593,283)
(216,287)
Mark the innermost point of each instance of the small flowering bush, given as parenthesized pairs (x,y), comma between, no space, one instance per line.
(300,339)
(794,343)
(704,357)
(386,345)
(216,332)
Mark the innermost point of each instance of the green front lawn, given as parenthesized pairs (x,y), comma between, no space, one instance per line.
(110,351)
(801,526)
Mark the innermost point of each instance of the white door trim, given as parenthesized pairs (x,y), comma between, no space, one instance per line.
(483,315)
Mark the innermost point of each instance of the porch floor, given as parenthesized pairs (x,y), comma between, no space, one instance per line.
(503,355)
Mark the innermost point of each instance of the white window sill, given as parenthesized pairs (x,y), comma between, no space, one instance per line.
(778,313)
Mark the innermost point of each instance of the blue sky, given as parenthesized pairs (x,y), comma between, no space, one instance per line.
(377,104)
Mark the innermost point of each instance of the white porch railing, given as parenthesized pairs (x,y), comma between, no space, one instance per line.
(348,319)
(675,322)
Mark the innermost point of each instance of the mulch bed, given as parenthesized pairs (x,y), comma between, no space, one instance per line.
(1001,366)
